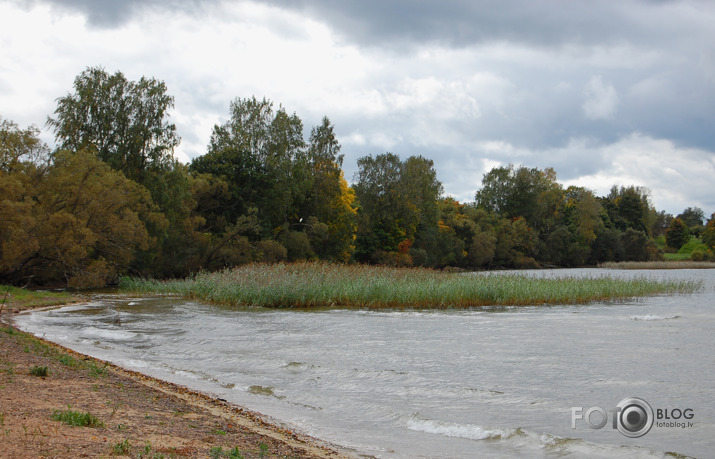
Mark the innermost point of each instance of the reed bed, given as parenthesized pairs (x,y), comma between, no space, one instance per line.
(325,285)
(677,264)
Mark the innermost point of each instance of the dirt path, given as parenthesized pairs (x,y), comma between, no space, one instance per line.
(140,416)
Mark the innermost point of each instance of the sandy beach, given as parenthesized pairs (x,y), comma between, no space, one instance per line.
(137,416)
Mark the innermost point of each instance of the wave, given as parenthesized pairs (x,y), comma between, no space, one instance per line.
(113,335)
(452,429)
(527,443)
(653,317)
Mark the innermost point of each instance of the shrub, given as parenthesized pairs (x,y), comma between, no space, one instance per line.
(269,251)
(298,246)
(692,245)
(677,234)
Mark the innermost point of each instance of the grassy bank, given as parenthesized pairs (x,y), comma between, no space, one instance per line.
(18,299)
(317,285)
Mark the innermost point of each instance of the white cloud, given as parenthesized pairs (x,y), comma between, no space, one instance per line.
(677,177)
(519,97)
(601,100)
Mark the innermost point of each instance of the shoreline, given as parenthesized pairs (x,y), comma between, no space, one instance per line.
(142,416)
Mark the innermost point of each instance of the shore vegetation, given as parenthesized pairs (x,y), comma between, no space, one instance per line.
(326,285)
(111,199)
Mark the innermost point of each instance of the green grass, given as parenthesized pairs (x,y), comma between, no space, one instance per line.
(21,298)
(325,285)
(675,257)
(77,418)
(38,371)
(218,452)
(122,448)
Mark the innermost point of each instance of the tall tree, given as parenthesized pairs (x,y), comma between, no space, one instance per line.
(328,210)
(394,198)
(518,192)
(83,222)
(383,216)
(628,207)
(708,235)
(124,122)
(260,154)
(692,217)
(20,145)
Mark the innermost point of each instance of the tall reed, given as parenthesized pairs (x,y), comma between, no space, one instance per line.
(320,285)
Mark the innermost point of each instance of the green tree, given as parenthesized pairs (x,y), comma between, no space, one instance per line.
(693,218)
(708,235)
(83,222)
(20,145)
(628,207)
(607,246)
(260,154)
(397,204)
(677,234)
(124,122)
(23,162)
(515,244)
(661,221)
(511,193)
(384,218)
(328,212)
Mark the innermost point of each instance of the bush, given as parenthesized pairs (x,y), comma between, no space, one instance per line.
(677,234)
(396,259)
(298,246)
(419,257)
(269,251)
(692,245)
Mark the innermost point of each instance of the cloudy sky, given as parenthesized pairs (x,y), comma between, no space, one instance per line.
(607,93)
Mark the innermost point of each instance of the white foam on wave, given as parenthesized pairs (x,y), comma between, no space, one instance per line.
(453,429)
(103,333)
(531,443)
(653,317)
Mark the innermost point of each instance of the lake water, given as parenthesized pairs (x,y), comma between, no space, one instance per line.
(477,383)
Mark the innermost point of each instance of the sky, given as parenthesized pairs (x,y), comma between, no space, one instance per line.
(606,93)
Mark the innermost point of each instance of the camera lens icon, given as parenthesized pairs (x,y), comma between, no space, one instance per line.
(635,418)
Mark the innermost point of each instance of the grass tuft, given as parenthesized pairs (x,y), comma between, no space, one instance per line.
(77,418)
(38,371)
(122,448)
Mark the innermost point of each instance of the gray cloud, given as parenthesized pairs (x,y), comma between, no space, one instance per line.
(465,22)
(113,13)
(570,84)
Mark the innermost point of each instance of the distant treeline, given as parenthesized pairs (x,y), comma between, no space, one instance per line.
(111,199)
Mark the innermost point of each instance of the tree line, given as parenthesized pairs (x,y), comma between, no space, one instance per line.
(111,199)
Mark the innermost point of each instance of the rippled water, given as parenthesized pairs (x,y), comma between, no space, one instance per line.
(496,383)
